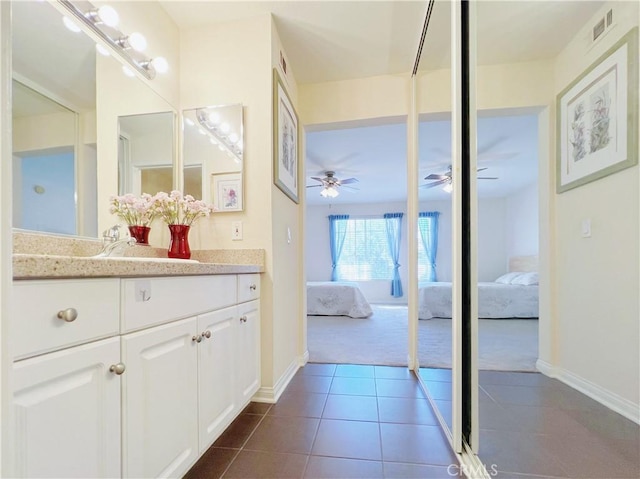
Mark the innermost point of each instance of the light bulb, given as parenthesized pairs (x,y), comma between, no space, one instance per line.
(333,192)
(102,50)
(70,24)
(324,193)
(137,41)
(160,64)
(214,118)
(127,71)
(233,138)
(447,188)
(108,15)
(225,128)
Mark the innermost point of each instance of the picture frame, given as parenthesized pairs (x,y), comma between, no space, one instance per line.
(597,118)
(286,154)
(226,192)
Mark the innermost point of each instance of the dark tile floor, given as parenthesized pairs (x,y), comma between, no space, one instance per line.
(532,426)
(335,421)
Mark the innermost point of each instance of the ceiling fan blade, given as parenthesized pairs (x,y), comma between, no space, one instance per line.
(314,186)
(348,180)
(482,169)
(316,178)
(488,178)
(436,177)
(435,183)
(351,188)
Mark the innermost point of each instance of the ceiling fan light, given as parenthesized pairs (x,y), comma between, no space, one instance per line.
(448,187)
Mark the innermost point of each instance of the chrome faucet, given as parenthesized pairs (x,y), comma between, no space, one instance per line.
(112,245)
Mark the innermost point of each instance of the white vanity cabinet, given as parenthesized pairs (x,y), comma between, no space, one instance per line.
(66,402)
(164,366)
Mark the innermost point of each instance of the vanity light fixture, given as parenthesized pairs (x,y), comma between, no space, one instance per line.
(102,50)
(71,25)
(102,23)
(127,71)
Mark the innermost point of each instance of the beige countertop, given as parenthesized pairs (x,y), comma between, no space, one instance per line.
(42,266)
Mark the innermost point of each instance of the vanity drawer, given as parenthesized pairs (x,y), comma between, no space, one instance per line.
(150,301)
(39,320)
(248,287)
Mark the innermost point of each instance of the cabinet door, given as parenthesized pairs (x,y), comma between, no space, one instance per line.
(248,353)
(216,366)
(160,400)
(67,413)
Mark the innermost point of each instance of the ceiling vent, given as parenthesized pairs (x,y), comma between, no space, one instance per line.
(602,26)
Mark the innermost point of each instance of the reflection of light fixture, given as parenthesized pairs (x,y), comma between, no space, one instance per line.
(221,133)
(329,192)
(70,25)
(189,121)
(127,71)
(102,22)
(102,50)
(448,187)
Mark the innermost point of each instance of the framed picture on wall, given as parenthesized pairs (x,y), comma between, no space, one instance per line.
(227,192)
(597,124)
(285,140)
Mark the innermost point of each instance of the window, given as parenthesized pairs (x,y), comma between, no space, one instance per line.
(365,254)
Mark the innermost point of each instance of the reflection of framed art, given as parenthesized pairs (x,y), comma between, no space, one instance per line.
(285,140)
(597,126)
(227,192)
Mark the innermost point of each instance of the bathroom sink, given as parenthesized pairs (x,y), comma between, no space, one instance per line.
(149,260)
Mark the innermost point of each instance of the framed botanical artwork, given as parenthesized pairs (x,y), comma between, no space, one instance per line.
(285,140)
(227,192)
(597,124)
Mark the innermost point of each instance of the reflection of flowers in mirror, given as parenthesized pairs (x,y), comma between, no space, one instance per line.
(135,211)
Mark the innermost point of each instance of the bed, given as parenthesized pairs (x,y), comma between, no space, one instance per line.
(330,298)
(513,295)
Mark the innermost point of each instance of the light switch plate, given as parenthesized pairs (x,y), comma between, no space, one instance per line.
(585,228)
(236,230)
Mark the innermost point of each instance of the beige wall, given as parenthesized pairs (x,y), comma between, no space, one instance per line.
(238,69)
(598,278)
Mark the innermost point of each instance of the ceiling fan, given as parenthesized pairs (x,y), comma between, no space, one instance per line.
(330,184)
(445,179)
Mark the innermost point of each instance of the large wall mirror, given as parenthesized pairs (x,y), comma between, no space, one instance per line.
(213,152)
(71,108)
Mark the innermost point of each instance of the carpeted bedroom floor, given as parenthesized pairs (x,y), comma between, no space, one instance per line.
(505,344)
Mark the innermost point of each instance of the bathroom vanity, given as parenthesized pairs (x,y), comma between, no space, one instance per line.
(130,375)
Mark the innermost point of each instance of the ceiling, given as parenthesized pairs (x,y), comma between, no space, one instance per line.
(339,40)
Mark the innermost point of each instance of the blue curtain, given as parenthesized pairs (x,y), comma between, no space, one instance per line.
(337,233)
(394,227)
(429,235)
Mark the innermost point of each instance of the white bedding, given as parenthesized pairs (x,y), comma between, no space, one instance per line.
(495,300)
(336,299)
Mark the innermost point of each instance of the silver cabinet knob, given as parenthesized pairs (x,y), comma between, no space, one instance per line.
(206,334)
(69,314)
(197,338)
(243,319)
(117,368)
(253,287)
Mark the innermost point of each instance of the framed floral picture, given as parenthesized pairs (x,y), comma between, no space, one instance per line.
(597,125)
(285,140)
(227,192)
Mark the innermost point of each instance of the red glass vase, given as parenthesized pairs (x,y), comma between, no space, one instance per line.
(140,233)
(179,242)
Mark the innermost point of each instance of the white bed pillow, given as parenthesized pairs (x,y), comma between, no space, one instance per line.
(526,279)
(508,278)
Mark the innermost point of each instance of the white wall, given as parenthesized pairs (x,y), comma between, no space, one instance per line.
(597,330)
(492,261)
(522,222)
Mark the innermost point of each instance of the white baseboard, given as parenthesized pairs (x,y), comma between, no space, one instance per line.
(605,397)
(272,394)
(304,359)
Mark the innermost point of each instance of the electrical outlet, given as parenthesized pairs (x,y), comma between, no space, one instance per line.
(236,230)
